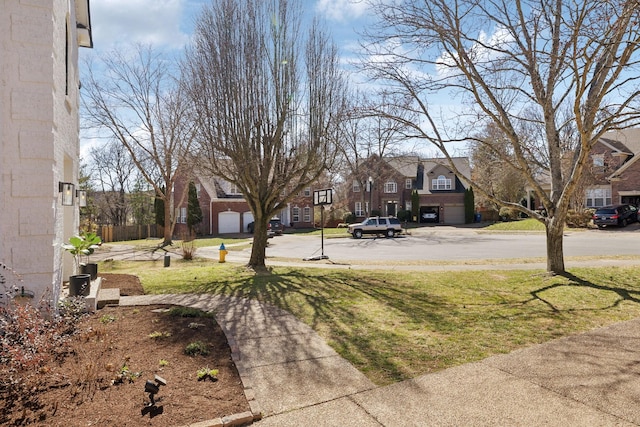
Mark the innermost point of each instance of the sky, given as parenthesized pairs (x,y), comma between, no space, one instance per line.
(168,23)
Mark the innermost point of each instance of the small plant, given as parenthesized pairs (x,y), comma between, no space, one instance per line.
(195,348)
(206,373)
(188,249)
(107,318)
(82,245)
(159,335)
(163,363)
(125,374)
(180,311)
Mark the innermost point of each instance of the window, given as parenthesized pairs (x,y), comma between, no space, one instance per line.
(181,215)
(306,214)
(233,189)
(441,183)
(356,187)
(598,160)
(408,183)
(307,192)
(597,197)
(390,187)
(198,190)
(295,214)
(358,210)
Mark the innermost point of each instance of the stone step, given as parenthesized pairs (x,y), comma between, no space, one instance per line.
(108,297)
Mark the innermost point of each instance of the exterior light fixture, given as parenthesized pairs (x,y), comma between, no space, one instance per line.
(153,388)
(66,188)
(82,198)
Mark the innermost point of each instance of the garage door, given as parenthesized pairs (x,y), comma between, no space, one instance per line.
(228,222)
(247,217)
(453,214)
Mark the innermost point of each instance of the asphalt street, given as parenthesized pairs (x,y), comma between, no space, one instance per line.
(443,243)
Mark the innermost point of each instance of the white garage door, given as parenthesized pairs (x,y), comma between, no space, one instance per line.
(453,214)
(247,217)
(228,222)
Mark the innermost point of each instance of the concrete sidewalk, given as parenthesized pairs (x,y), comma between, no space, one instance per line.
(591,379)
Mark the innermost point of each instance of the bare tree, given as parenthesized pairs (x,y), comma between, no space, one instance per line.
(497,177)
(144,108)
(267,100)
(368,133)
(112,170)
(505,58)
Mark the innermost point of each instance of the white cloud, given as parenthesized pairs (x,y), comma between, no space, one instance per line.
(155,22)
(486,48)
(341,10)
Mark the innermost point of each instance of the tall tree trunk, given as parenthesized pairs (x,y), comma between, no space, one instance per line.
(555,257)
(259,247)
(168,230)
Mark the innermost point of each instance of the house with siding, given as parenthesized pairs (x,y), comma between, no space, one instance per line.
(39,136)
(390,181)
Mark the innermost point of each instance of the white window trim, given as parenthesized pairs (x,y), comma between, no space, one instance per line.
(441,183)
(306,214)
(358,209)
(390,187)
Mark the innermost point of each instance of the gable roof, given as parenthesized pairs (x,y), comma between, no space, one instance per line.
(626,141)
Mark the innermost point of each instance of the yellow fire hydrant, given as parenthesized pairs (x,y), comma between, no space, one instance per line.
(223,252)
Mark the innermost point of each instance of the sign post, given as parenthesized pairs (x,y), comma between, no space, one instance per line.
(321,198)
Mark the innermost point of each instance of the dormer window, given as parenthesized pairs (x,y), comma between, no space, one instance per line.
(441,183)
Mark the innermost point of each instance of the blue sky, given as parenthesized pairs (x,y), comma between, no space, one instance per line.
(168,23)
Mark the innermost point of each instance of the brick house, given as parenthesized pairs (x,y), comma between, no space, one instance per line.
(39,136)
(613,176)
(225,211)
(387,185)
(615,169)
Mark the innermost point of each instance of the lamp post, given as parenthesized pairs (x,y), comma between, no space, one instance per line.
(370,196)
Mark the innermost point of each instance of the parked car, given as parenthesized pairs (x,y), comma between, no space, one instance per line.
(388,226)
(619,215)
(430,216)
(273,228)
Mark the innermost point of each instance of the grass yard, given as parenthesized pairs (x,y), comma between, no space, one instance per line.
(398,325)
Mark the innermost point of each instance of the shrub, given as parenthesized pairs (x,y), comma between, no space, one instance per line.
(579,219)
(404,215)
(195,348)
(508,214)
(32,338)
(350,218)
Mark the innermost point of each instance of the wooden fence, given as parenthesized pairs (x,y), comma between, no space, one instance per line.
(119,233)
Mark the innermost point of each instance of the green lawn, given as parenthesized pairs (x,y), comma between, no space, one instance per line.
(398,325)
(528,224)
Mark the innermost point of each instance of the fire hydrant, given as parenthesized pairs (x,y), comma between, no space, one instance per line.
(223,252)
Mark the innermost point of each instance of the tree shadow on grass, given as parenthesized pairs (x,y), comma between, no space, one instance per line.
(575,281)
(340,305)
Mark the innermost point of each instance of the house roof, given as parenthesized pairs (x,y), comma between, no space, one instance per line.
(83,23)
(626,141)
(407,165)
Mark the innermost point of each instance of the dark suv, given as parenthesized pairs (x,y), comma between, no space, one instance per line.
(619,215)
(274,228)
